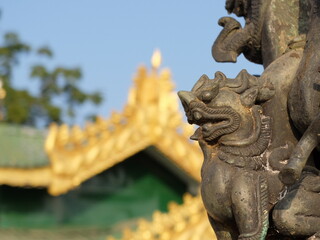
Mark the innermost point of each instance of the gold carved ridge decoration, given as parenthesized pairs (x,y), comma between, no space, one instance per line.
(35,177)
(150,118)
(188,221)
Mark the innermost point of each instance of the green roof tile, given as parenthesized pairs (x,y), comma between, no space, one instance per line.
(22,147)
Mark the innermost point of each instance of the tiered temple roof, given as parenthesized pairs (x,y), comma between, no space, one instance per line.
(151,119)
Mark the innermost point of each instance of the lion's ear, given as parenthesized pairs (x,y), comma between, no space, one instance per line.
(249,96)
(202,81)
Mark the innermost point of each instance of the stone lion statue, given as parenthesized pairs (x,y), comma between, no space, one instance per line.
(260,176)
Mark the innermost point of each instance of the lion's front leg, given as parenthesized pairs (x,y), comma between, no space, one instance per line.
(310,139)
(250,205)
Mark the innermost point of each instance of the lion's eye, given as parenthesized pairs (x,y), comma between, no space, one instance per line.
(207,96)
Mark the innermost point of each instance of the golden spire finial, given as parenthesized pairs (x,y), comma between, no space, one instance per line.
(156,59)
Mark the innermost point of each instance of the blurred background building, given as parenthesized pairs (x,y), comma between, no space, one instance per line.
(99,181)
(77,180)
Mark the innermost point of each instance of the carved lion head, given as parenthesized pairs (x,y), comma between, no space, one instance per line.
(222,107)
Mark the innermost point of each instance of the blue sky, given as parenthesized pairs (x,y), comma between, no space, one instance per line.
(110,39)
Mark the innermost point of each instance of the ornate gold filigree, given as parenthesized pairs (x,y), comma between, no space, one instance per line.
(150,118)
(183,222)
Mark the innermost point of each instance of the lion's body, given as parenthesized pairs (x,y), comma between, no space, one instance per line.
(245,147)
(249,128)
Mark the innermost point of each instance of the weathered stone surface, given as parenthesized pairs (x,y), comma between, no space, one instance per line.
(260,176)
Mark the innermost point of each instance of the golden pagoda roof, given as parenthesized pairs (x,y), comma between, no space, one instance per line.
(151,117)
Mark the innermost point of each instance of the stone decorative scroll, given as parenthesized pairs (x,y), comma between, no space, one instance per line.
(259,135)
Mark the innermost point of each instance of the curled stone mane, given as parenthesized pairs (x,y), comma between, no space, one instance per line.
(256,148)
(251,156)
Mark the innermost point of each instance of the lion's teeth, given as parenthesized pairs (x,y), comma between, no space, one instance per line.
(197,116)
(207,126)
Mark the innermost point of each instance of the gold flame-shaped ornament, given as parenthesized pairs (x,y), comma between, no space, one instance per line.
(156,59)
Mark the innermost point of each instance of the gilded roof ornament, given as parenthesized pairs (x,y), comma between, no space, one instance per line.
(151,117)
(182,222)
(156,59)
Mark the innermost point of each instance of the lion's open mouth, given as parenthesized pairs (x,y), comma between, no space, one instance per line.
(213,122)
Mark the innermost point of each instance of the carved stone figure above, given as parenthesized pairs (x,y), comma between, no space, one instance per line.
(260,176)
(271,27)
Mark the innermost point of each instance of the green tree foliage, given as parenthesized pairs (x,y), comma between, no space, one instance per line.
(20,106)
